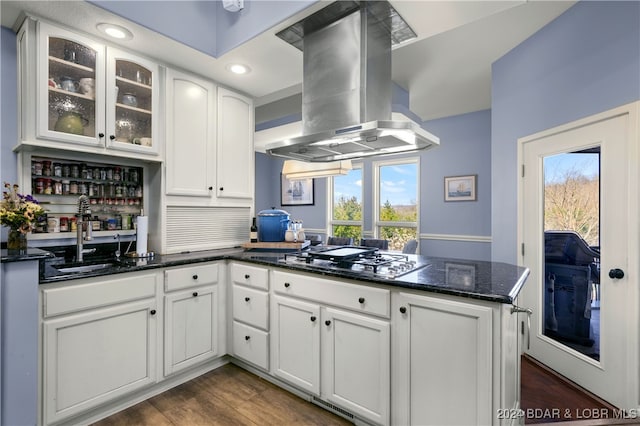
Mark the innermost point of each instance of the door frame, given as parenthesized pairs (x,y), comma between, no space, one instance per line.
(632,111)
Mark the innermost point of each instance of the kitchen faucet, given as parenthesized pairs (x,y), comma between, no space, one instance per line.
(84,227)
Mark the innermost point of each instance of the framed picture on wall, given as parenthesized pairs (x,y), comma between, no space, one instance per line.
(296,192)
(460,188)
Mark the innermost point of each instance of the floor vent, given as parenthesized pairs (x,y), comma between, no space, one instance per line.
(336,410)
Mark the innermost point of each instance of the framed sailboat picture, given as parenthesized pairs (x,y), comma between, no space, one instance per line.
(296,192)
(460,188)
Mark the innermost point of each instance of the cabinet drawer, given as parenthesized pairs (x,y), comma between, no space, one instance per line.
(251,344)
(356,297)
(251,306)
(89,293)
(190,276)
(251,276)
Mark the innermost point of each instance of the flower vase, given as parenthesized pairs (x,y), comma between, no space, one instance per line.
(16,242)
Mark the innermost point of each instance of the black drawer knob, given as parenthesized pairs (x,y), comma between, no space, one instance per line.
(327,323)
(112,137)
(247,276)
(152,312)
(195,277)
(211,188)
(361,300)
(246,299)
(313,318)
(286,285)
(616,274)
(247,337)
(195,294)
(403,310)
(101,135)
(221,188)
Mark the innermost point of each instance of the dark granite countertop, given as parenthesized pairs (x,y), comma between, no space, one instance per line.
(490,281)
(30,254)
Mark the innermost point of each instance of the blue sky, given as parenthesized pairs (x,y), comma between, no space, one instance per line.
(399,184)
(557,166)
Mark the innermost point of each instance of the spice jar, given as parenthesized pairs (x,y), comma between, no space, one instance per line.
(57,187)
(57,169)
(64,224)
(36,168)
(66,170)
(48,188)
(40,186)
(66,187)
(116,173)
(73,187)
(82,188)
(75,171)
(46,168)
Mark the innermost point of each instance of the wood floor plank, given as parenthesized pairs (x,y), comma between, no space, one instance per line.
(143,413)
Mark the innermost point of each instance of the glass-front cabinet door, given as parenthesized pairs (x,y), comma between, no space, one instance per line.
(70,87)
(132,99)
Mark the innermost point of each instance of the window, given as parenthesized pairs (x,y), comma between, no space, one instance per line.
(397,201)
(346,207)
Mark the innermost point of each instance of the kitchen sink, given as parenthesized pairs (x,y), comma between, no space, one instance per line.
(78,269)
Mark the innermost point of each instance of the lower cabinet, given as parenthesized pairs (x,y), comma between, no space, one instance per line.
(340,356)
(193,308)
(191,332)
(442,370)
(97,346)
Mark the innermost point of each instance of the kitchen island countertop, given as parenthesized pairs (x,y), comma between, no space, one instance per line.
(491,281)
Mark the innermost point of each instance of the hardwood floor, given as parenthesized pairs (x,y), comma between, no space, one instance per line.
(226,396)
(231,396)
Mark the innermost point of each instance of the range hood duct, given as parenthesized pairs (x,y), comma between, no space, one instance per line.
(347,88)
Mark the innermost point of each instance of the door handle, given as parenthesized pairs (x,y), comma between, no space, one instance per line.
(616,273)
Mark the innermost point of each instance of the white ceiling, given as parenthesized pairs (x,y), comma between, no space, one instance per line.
(447,69)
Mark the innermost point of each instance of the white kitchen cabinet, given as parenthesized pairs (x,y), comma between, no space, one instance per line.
(356,363)
(98,342)
(80,94)
(295,343)
(235,157)
(443,369)
(192,316)
(190,135)
(332,339)
(250,304)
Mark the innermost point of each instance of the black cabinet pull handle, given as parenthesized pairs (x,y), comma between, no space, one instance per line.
(112,137)
(403,310)
(195,277)
(152,312)
(195,294)
(313,318)
(101,135)
(247,337)
(221,188)
(211,188)
(327,323)
(361,300)
(246,299)
(247,276)
(616,274)
(287,285)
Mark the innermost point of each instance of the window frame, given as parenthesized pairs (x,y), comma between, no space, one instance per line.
(377,223)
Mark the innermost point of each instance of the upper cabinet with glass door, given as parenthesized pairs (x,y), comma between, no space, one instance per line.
(84,95)
(132,99)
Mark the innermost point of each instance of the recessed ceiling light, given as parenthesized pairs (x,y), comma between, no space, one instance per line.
(238,68)
(115,31)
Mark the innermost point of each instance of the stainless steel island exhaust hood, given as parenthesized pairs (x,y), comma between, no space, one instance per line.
(347,88)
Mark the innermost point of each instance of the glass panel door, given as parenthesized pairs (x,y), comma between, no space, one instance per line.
(572,249)
(71,88)
(133,107)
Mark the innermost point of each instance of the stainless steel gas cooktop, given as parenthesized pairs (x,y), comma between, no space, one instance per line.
(364,261)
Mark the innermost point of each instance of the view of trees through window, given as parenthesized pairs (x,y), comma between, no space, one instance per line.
(347,205)
(398,196)
(572,195)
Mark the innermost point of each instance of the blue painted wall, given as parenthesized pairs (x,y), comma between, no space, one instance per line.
(205,25)
(465,149)
(586,61)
